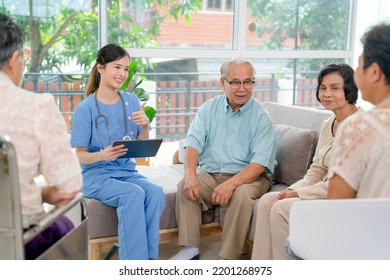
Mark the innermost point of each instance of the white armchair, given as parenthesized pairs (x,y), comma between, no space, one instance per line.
(352,229)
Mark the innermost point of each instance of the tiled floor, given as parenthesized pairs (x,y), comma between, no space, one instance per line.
(209,248)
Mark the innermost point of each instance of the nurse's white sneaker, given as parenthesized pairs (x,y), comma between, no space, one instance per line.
(187,253)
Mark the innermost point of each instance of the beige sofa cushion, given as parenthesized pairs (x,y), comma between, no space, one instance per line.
(294,153)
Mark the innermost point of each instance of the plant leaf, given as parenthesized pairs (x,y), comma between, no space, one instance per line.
(150,112)
(133,68)
(141,94)
(136,85)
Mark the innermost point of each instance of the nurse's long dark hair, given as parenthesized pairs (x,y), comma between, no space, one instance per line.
(106,54)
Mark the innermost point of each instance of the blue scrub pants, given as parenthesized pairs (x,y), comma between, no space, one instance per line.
(140,204)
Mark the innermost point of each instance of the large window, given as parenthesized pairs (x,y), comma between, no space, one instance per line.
(299,24)
(65,35)
(213,4)
(180,48)
(62,35)
(311,32)
(190,25)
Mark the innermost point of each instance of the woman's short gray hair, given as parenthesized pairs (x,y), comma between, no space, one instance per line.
(237,60)
(11,38)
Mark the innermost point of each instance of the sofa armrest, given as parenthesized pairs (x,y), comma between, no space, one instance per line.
(175,157)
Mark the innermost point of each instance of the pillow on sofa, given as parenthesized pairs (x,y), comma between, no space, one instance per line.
(295,149)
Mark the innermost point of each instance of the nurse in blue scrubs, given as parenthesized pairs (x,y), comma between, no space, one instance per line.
(104,116)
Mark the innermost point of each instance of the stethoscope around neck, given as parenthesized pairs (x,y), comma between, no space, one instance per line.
(105,120)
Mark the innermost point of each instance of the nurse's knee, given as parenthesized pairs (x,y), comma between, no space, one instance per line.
(158,191)
(138,192)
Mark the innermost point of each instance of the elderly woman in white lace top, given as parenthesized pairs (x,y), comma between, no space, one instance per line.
(38,132)
(361,163)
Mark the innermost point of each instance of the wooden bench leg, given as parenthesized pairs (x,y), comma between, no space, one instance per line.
(94,250)
(99,247)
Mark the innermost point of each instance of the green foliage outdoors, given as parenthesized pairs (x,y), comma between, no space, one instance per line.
(72,35)
(308,24)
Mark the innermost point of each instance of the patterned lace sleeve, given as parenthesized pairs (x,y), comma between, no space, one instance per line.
(356,139)
(59,164)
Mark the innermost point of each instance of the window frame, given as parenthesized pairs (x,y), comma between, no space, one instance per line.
(238,40)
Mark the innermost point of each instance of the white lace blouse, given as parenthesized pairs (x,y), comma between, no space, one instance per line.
(361,153)
(38,131)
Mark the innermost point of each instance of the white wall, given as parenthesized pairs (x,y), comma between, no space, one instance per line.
(369,12)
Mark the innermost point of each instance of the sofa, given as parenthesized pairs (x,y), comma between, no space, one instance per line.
(297,130)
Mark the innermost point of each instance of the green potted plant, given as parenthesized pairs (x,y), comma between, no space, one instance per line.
(138,91)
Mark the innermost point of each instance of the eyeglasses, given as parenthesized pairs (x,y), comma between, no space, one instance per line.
(26,54)
(235,85)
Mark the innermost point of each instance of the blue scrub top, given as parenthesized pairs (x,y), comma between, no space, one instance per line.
(84,132)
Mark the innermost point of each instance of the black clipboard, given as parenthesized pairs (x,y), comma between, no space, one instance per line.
(140,148)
